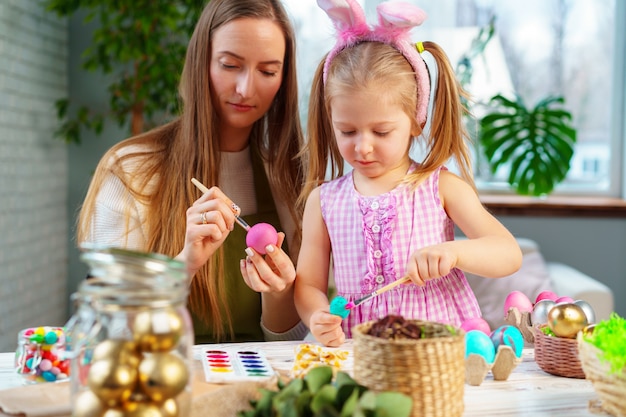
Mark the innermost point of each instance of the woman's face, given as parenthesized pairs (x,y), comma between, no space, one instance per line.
(246,70)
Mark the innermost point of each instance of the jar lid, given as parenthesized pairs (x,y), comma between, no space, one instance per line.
(103,260)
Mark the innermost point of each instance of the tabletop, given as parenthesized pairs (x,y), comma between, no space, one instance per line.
(528,391)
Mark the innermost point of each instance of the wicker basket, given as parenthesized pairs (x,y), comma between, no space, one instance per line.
(609,386)
(557,355)
(430,370)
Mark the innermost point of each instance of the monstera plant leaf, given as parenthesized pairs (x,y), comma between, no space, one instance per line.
(536,144)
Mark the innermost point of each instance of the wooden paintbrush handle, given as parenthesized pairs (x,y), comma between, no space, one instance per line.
(393,285)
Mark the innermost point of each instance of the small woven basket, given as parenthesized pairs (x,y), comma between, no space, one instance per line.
(557,355)
(430,370)
(610,386)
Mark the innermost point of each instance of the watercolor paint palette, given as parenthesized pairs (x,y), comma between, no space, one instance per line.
(235,365)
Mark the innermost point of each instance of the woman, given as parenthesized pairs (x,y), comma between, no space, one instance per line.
(239,130)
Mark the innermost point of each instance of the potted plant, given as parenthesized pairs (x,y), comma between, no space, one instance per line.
(536,144)
(141,46)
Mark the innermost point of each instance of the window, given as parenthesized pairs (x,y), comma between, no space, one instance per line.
(572,48)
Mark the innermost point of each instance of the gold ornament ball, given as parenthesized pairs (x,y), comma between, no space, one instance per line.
(142,409)
(112,381)
(114,412)
(566,320)
(87,404)
(158,331)
(169,408)
(123,351)
(163,375)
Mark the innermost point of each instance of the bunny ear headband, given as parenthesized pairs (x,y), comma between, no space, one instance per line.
(395,21)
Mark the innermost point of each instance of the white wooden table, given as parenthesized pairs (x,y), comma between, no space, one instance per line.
(528,391)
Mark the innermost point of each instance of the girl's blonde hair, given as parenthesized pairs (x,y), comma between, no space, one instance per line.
(156,167)
(370,65)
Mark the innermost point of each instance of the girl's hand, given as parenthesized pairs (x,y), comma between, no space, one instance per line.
(431,262)
(209,221)
(326,328)
(273,273)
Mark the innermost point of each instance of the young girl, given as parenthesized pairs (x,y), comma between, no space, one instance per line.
(390,216)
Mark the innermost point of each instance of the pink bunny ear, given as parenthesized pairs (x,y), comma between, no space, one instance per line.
(349,20)
(396,19)
(346,15)
(399,14)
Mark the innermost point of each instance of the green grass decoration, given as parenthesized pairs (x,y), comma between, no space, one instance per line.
(610,337)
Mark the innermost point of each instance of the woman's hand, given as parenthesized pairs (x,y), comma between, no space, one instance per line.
(273,273)
(326,328)
(209,221)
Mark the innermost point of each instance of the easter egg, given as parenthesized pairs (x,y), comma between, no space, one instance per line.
(260,235)
(479,343)
(508,335)
(566,320)
(476,323)
(589,312)
(539,315)
(518,300)
(546,295)
(338,307)
(564,299)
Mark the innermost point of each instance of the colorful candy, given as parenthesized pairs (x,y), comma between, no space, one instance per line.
(40,355)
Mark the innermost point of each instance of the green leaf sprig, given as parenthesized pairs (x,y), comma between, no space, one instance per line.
(317,395)
(610,337)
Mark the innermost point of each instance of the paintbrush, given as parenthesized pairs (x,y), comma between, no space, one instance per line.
(379,291)
(238,219)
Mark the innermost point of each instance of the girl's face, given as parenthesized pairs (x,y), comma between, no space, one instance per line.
(246,69)
(374,136)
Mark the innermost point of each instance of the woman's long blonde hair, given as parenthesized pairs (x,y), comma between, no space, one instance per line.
(156,167)
(377,65)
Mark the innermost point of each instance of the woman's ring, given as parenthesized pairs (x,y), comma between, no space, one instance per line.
(203,217)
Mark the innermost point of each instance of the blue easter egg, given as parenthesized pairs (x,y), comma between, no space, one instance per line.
(478,343)
(508,335)
(338,307)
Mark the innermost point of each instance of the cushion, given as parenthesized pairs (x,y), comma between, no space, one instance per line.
(531,279)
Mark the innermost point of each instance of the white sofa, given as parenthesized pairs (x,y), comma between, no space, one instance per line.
(534,276)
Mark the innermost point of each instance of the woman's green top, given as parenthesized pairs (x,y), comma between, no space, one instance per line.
(244,303)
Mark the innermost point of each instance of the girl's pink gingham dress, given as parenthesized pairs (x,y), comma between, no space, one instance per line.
(372,238)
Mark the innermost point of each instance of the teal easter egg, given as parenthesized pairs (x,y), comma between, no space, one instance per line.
(338,307)
(508,335)
(479,343)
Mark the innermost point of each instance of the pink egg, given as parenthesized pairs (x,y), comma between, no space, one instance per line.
(476,323)
(546,295)
(564,299)
(518,300)
(260,235)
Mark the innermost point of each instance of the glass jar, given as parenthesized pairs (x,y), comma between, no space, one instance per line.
(41,356)
(130,340)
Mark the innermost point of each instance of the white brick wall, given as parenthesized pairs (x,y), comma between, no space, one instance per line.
(33,170)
